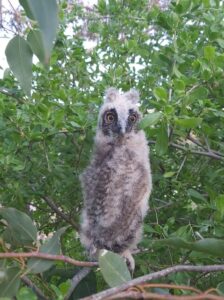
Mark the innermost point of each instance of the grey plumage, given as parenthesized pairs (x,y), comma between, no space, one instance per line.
(117,182)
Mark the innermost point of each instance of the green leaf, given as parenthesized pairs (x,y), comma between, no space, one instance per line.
(3,274)
(183,6)
(19,225)
(25,5)
(168,174)
(160,93)
(179,85)
(35,41)
(86,287)
(150,119)
(102,6)
(177,72)
(220,288)
(46,14)
(188,122)
(10,286)
(113,268)
(219,202)
(209,245)
(196,195)
(199,93)
(52,246)
(220,42)
(19,57)
(162,140)
(25,294)
(74,124)
(209,52)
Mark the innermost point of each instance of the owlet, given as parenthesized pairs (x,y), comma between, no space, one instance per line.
(117,183)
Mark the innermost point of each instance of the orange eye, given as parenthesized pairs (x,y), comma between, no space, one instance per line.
(133,118)
(110,117)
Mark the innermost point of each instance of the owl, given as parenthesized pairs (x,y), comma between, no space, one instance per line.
(117,183)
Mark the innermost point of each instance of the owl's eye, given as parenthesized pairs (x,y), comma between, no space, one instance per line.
(133,118)
(110,117)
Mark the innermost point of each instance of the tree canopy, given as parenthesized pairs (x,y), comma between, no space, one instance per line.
(174,56)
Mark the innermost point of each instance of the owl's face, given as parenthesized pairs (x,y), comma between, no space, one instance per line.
(119,115)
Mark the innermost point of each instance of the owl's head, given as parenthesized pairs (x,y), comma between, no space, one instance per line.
(119,114)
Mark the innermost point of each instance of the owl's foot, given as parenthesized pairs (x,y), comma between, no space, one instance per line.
(129,261)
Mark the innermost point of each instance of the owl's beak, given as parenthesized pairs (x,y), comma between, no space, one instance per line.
(122,128)
(122,131)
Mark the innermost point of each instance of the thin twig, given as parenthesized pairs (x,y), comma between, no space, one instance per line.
(169,129)
(181,166)
(153,296)
(192,88)
(4,91)
(34,288)
(212,154)
(209,154)
(162,206)
(207,143)
(76,280)
(13,8)
(55,208)
(170,286)
(149,277)
(47,256)
(195,141)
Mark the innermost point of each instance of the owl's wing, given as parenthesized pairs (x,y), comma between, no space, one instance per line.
(135,198)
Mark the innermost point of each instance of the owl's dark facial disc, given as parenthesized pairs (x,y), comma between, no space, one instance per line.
(111,126)
(132,121)
(110,123)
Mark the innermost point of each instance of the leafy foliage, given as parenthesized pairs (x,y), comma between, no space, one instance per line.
(113,268)
(174,57)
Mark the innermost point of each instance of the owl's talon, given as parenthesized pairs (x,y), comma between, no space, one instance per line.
(129,261)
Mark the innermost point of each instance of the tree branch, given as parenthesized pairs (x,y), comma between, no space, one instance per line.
(193,140)
(47,256)
(154,296)
(181,166)
(60,213)
(6,92)
(163,273)
(204,153)
(213,154)
(76,280)
(34,288)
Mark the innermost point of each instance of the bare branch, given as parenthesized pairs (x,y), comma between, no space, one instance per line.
(34,288)
(196,142)
(60,213)
(203,153)
(192,88)
(6,92)
(76,280)
(181,166)
(153,296)
(212,153)
(163,273)
(47,256)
